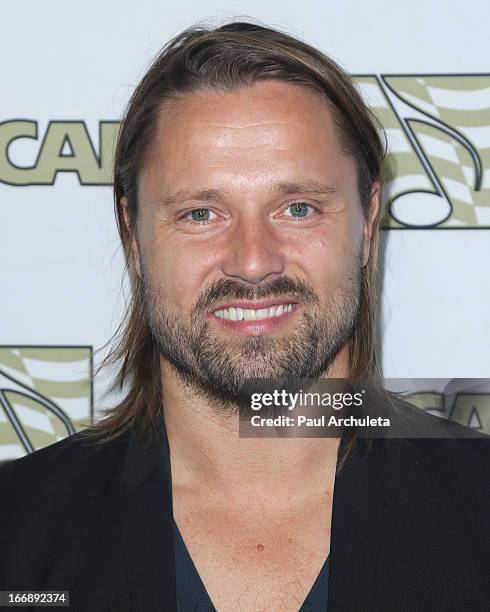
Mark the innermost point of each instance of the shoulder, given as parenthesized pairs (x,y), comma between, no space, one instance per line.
(437,442)
(64,454)
(61,467)
(428,457)
(448,466)
(415,436)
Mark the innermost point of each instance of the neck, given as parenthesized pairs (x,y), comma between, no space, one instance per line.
(207,453)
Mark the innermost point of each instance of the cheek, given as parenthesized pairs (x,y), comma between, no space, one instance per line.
(181,270)
(325,265)
(329,251)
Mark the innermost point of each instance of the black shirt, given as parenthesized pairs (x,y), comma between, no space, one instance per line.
(193,597)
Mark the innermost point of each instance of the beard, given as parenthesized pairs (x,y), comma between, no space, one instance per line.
(220,369)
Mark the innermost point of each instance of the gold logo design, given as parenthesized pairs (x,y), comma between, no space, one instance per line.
(437,171)
(45,395)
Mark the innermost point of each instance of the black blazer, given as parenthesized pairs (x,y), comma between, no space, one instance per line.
(410,526)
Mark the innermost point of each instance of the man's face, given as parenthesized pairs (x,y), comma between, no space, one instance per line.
(250,237)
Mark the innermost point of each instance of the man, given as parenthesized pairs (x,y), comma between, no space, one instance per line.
(247,191)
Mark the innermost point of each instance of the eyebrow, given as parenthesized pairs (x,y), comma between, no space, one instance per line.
(279,188)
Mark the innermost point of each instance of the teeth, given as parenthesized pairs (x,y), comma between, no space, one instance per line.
(248,314)
(263,313)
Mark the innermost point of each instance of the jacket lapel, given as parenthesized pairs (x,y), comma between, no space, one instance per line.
(148,526)
(358,508)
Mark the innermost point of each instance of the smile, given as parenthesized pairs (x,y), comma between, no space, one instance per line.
(248,314)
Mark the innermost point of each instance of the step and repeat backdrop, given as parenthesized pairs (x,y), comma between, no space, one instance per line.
(67,72)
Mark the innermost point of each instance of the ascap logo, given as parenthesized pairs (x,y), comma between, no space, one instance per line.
(45,395)
(437,172)
(65,147)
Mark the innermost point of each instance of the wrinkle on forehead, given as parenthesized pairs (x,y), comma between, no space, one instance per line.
(249,123)
(267,134)
(266,131)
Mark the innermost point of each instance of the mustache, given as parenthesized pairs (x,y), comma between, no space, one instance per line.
(229,289)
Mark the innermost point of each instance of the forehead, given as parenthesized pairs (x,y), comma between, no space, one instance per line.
(268,128)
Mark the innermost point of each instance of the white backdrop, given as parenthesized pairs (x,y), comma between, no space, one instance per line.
(61,266)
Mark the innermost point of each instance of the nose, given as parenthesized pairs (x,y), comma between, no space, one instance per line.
(253,252)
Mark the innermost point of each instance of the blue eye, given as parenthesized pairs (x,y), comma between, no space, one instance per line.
(200,214)
(299,209)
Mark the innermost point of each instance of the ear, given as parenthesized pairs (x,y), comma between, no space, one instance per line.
(373,212)
(133,240)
